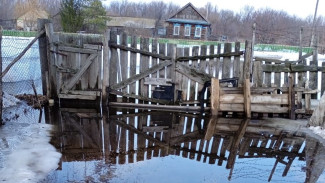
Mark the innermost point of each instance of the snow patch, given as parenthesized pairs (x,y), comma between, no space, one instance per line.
(33,158)
(318,130)
(9,100)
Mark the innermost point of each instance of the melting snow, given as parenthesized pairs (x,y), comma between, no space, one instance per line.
(318,130)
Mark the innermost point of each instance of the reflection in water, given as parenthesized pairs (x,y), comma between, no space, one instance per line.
(141,146)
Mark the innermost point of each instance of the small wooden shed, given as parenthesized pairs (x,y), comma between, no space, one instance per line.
(188,23)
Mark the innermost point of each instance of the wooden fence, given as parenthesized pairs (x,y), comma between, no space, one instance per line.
(128,137)
(141,72)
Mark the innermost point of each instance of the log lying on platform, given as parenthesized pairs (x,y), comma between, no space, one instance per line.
(318,117)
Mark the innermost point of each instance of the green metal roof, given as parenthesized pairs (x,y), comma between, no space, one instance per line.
(187,21)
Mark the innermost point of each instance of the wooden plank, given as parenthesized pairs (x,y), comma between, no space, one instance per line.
(313,76)
(259,108)
(162,51)
(76,49)
(144,65)
(247,98)
(157,81)
(84,79)
(226,66)
(292,68)
(277,79)
(105,81)
(203,62)
(139,97)
(211,128)
(185,79)
(141,75)
(212,62)
(192,92)
(230,54)
(236,64)
(193,74)
(257,74)
(68,85)
(291,98)
(113,64)
(48,67)
(255,99)
(160,107)
(235,143)
(124,59)
(215,92)
(247,61)
(217,68)
(178,76)
(133,65)
(81,97)
(142,52)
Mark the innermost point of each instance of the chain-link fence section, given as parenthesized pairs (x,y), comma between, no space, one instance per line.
(27,70)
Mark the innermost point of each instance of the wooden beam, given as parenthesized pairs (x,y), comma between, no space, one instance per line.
(235,143)
(146,53)
(139,97)
(255,99)
(231,54)
(106,52)
(215,92)
(159,107)
(193,74)
(211,128)
(76,50)
(291,68)
(141,75)
(247,61)
(247,98)
(157,81)
(69,84)
(291,97)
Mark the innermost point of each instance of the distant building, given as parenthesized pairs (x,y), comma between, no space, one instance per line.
(8,24)
(28,21)
(133,25)
(188,23)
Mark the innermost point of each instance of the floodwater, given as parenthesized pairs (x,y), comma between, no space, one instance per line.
(133,145)
(126,145)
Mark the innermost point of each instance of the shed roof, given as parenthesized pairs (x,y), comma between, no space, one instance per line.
(131,22)
(34,15)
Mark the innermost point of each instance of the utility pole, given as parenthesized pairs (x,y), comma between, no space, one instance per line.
(313,29)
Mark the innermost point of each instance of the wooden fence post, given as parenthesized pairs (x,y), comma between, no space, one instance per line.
(313,76)
(1,94)
(105,64)
(42,44)
(247,61)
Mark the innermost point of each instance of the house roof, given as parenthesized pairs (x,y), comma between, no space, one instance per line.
(131,22)
(34,15)
(201,22)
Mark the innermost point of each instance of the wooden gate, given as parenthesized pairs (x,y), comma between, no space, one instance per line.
(75,66)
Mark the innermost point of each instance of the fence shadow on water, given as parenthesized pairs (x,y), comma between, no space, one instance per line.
(122,137)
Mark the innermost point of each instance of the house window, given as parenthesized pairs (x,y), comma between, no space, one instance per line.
(198,30)
(176,29)
(187,31)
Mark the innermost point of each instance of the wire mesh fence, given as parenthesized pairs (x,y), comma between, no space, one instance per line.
(27,70)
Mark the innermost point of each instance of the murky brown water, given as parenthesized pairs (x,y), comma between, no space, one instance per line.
(141,146)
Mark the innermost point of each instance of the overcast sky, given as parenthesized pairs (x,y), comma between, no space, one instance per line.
(300,8)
